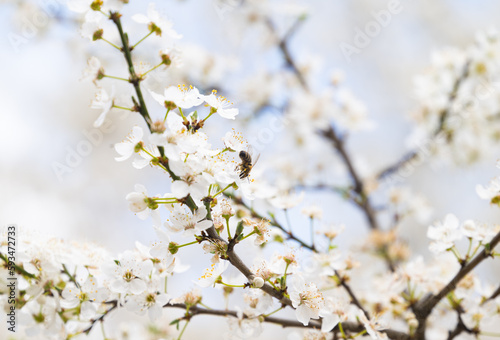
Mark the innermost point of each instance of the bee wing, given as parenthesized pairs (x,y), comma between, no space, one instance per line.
(250,150)
(256,160)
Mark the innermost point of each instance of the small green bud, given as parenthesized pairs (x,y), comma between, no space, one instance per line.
(173,248)
(279,239)
(495,200)
(153,28)
(100,74)
(165,58)
(97,34)
(170,105)
(138,147)
(96,5)
(151,203)
(239,229)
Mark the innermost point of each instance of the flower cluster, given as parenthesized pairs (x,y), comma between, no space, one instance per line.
(65,286)
(216,200)
(457,98)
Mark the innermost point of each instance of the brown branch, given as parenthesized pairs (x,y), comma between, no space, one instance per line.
(194,310)
(233,258)
(342,280)
(347,326)
(354,299)
(283,47)
(236,261)
(425,306)
(363,203)
(408,157)
(459,328)
(93,322)
(271,220)
(358,185)
(493,295)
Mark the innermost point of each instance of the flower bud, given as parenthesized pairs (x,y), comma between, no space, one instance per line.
(138,147)
(153,28)
(96,5)
(151,203)
(413,323)
(258,282)
(165,58)
(173,248)
(239,229)
(97,34)
(170,105)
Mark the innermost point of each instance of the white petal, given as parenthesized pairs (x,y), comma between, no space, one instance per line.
(139,163)
(180,189)
(329,322)
(302,314)
(137,286)
(173,228)
(155,312)
(228,113)
(483,192)
(141,19)
(158,97)
(451,221)
(203,225)
(101,119)
(88,310)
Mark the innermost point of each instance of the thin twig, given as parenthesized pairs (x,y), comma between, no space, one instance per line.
(233,258)
(353,297)
(342,281)
(358,185)
(271,220)
(347,326)
(283,47)
(459,328)
(134,79)
(236,261)
(411,155)
(93,322)
(425,306)
(493,295)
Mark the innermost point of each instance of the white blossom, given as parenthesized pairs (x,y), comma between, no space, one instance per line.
(212,274)
(189,223)
(444,234)
(129,146)
(182,96)
(104,102)
(128,275)
(306,299)
(153,16)
(221,105)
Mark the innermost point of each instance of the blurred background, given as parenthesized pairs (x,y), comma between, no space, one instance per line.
(46,113)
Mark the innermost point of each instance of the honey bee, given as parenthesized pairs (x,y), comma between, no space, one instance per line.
(246,163)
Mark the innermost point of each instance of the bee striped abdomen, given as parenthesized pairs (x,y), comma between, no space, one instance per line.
(246,164)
